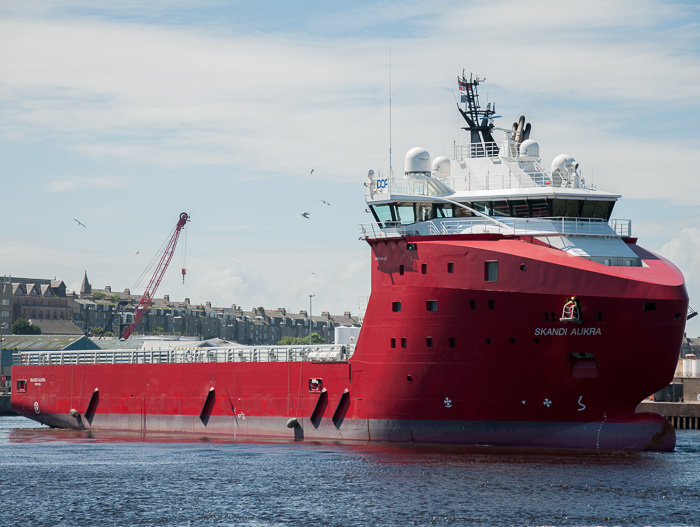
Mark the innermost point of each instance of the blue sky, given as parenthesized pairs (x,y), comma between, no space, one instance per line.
(125,115)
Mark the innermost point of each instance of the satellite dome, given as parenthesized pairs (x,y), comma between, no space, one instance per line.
(417,161)
(441,166)
(529,150)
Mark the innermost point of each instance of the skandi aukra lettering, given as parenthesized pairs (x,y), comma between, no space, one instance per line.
(563,332)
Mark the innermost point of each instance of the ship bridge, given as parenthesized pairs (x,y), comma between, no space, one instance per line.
(499,188)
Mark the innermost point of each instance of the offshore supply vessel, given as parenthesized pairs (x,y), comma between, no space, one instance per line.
(507,308)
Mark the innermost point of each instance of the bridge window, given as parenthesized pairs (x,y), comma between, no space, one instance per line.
(500,208)
(597,209)
(405,213)
(481,206)
(540,208)
(520,208)
(568,208)
(443,211)
(382,213)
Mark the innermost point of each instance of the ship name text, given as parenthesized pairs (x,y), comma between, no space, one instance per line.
(563,332)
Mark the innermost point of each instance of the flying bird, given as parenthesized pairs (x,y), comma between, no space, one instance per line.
(312,171)
(306,214)
(79,223)
(324,201)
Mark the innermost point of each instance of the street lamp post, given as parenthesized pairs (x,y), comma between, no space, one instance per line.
(310,319)
(3,326)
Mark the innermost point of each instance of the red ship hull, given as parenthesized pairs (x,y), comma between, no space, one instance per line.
(444,356)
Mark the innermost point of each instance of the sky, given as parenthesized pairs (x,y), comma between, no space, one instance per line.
(244,114)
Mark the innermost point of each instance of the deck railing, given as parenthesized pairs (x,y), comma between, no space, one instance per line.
(329,353)
(505,226)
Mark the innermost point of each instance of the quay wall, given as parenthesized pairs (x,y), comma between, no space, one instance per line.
(683,416)
(5,404)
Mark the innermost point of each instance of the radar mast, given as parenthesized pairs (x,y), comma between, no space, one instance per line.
(479,121)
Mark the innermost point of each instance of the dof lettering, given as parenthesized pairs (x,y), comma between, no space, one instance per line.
(382,183)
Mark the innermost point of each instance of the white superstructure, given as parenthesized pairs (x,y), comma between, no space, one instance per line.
(499,187)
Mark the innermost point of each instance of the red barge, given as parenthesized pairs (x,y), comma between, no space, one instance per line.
(507,308)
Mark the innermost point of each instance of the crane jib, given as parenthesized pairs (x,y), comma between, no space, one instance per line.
(149,294)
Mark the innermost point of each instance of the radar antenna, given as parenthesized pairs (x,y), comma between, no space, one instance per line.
(479,121)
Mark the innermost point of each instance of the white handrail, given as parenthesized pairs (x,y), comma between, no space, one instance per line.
(324,352)
(616,228)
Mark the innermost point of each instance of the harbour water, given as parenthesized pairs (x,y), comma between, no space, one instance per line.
(69,478)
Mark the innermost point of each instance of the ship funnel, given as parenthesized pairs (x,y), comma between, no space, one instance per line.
(417,161)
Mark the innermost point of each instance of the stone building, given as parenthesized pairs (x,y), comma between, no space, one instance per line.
(43,302)
(91,311)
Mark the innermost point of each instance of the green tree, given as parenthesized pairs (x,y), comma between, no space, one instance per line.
(297,341)
(98,295)
(98,332)
(158,330)
(315,339)
(22,326)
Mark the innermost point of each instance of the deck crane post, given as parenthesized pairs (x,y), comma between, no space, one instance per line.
(150,291)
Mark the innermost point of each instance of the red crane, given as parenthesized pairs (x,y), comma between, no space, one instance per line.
(147,297)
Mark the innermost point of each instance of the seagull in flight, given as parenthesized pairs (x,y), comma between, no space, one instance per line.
(312,171)
(324,201)
(306,214)
(79,223)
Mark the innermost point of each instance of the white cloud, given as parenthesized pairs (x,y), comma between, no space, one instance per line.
(202,110)
(684,251)
(73,183)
